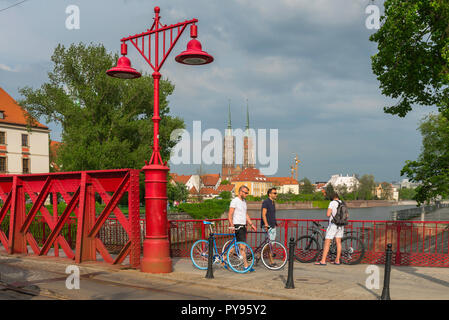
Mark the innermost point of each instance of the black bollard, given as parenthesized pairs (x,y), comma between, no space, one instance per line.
(291,252)
(387,271)
(210,256)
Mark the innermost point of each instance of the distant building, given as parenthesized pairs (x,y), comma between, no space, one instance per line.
(405,183)
(257,183)
(393,194)
(338,180)
(285,184)
(22,149)
(227,187)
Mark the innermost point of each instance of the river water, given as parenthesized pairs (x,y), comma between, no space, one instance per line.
(374,213)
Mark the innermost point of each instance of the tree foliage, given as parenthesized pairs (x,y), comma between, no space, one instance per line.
(306,187)
(412,64)
(177,192)
(106,122)
(431,169)
(366,187)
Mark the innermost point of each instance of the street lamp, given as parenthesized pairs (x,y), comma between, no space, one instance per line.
(156,247)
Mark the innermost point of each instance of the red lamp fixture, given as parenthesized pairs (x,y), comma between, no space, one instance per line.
(123,70)
(194,55)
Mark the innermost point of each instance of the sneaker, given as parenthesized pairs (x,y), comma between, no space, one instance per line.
(251,270)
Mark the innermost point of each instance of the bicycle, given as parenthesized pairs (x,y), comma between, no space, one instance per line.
(308,247)
(233,254)
(267,249)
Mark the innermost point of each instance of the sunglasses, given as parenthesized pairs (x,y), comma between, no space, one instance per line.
(245,192)
(274,193)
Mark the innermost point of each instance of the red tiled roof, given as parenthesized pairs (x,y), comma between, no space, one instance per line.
(180,178)
(251,174)
(13,113)
(193,190)
(281,181)
(225,187)
(210,179)
(208,191)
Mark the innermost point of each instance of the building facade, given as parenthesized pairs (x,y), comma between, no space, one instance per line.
(23,149)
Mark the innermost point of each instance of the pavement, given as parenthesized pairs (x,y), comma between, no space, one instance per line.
(31,277)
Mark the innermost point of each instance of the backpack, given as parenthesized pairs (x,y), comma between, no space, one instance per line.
(342,215)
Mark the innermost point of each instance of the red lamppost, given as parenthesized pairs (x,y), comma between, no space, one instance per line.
(156,251)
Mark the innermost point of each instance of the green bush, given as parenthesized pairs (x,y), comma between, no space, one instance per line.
(208,209)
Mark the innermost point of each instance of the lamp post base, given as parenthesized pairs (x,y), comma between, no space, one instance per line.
(156,256)
(156,246)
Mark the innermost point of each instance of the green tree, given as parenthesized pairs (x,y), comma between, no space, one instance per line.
(225,182)
(329,191)
(306,187)
(431,169)
(177,192)
(106,122)
(366,187)
(407,193)
(225,195)
(412,64)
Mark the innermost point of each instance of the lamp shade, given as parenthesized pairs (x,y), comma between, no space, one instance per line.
(194,55)
(123,70)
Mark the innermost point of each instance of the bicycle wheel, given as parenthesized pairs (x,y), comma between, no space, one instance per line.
(199,254)
(236,260)
(307,249)
(352,250)
(278,253)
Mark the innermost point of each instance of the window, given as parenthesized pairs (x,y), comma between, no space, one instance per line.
(24,140)
(2,137)
(2,164)
(26,165)
(2,114)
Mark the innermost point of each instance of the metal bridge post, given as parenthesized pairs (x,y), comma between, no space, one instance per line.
(17,239)
(85,246)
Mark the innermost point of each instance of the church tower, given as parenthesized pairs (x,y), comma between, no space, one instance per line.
(249,160)
(228,163)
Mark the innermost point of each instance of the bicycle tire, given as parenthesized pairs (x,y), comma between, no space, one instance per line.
(199,254)
(235,260)
(307,249)
(352,250)
(279,255)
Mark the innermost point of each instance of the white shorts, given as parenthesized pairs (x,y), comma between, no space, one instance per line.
(333,231)
(272,234)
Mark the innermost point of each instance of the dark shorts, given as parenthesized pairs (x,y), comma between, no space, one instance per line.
(240,234)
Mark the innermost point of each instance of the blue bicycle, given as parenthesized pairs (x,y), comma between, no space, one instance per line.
(237,255)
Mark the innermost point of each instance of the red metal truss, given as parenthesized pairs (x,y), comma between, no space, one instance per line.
(78,189)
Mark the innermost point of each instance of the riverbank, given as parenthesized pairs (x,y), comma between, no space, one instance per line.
(254,205)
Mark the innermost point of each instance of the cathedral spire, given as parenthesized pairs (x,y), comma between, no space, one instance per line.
(229,115)
(247,115)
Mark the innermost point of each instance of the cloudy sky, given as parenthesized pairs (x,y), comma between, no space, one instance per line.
(303,65)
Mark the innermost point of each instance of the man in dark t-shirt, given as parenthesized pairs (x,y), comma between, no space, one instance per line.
(268,213)
(268,217)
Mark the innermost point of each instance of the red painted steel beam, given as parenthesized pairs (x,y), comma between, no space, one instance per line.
(180,24)
(17,240)
(37,206)
(60,223)
(110,206)
(123,253)
(6,207)
(103,251)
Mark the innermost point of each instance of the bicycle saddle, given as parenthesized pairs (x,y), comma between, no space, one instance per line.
(208,222)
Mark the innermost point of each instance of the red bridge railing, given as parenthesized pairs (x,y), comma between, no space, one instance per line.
(19,226)
(415,243)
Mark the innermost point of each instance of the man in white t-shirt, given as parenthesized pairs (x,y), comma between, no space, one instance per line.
(239,218)
(333,231)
